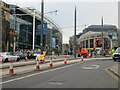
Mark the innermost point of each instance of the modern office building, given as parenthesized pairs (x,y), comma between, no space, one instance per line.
(21,20)
(16,29)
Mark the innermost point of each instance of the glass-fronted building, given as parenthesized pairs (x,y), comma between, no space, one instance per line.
(21,20)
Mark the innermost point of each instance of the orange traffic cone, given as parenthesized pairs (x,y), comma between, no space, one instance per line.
(26,59)
(51,65)
(89,55)
(37,64)
(65,61)
(54,57)
(1,58)
(11,70)
(82,58)
(43,60)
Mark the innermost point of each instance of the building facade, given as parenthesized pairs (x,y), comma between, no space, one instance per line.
(16,30)
(4,26)
(92,40)
(110,30)
(21,20)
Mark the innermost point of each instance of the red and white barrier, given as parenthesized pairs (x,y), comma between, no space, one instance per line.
(37,64)
(11,70)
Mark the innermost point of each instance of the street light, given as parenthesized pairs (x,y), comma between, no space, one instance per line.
(102,35)
(75,35)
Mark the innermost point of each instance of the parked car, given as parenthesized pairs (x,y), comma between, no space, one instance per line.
(30,55)
(37,53)
(116,54)
(20,54)
(7,56)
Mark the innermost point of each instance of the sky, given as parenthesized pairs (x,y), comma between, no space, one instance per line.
(89,12)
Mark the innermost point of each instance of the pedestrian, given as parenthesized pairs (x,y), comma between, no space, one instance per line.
(104,53)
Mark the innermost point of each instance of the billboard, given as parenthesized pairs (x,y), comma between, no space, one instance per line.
(38,30)
(53,43)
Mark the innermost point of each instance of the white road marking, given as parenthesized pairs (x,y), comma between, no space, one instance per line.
(37,73)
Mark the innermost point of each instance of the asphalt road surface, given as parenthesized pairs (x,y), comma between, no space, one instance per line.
(86,74)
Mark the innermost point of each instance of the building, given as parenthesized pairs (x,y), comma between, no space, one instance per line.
(71,42)
(92,40)
(4,26)
(119,23)
(21,22)
(111,30)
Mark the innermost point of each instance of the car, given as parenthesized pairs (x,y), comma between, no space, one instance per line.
(20,54)
(37,53)
(7,56)
(30,55)
(116,54)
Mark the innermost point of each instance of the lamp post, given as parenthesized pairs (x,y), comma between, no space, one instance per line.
(102,35)
(75,35)
(42,29)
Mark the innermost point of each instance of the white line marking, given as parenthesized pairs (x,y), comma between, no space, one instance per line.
(37,73)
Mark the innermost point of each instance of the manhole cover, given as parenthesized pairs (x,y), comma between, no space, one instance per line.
(55,83)
(91,67)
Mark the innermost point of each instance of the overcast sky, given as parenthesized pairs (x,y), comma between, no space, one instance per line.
(89,12)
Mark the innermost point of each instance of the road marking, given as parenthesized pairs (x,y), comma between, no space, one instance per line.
(91,67)
(38,73)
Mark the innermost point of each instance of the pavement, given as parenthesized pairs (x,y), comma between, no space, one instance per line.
(114,69)
(29,64)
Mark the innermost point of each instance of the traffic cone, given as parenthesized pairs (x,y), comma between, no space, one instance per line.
(26,59)
(82,58)
(37,64)
(89,55)
(54,57)
(65,61)
(51,65)
(11,70)
(1,58)
(43,60)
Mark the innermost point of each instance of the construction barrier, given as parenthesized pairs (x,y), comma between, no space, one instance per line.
(11,70)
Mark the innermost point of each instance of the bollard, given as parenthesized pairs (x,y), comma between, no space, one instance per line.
(37,64)
(11,70)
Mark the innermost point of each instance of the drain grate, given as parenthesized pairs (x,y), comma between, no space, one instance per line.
(91,67)
(55,83)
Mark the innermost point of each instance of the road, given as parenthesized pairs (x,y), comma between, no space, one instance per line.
(86,74)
